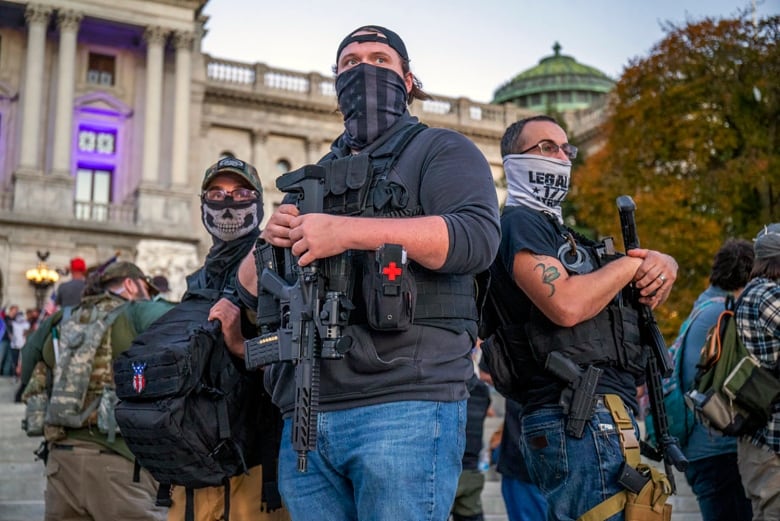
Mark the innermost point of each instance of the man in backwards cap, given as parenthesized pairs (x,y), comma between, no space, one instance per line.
(758,322)
(89,472)
(393,410)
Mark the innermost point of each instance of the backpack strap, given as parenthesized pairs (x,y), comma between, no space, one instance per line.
(189,506)
(678,356)
(163,495)
(226,490)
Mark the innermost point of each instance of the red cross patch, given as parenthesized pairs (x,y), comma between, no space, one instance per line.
(392,271)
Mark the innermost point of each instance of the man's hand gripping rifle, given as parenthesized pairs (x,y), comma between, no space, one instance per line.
(312,320)
(659,363)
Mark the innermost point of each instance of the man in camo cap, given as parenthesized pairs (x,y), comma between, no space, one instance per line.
(89,472)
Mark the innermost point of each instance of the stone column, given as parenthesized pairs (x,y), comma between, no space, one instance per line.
(155,40)
(313,150)
(68,22)
(37,17)
(181,109)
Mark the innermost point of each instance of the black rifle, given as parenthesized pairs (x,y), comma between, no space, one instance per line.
(579,397)
(659,362)
(312,320)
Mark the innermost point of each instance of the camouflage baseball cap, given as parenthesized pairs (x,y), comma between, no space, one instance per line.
(232,165)
(122,270)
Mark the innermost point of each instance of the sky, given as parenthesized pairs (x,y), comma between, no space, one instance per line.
(457,48)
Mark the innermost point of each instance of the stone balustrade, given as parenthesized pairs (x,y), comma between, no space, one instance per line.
(444,111)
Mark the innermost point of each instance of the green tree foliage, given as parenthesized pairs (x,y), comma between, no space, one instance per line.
(692,137)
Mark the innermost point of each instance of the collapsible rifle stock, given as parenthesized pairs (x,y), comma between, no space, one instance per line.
(659,362)
(312,320)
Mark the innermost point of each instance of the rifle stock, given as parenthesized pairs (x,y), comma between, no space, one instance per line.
(659,363)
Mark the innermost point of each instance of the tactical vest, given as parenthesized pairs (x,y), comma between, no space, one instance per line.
(84,368)
(358,185)
(610,338)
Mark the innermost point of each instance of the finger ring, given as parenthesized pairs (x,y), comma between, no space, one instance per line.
(663,279)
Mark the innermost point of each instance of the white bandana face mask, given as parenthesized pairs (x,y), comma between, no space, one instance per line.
(537,182)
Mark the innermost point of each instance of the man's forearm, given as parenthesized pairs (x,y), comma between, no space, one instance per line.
(426,239)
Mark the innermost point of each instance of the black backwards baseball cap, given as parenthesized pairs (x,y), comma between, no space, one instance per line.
(387,37)
(233,165)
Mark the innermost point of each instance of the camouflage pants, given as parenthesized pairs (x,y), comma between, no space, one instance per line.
(85,482)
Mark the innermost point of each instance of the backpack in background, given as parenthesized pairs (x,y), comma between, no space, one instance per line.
(732,392)
(69,394)
(188,413)
(680,418)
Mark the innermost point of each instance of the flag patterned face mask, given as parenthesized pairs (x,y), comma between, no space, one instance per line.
(371,99)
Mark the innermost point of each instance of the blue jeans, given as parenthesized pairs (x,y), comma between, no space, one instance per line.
(381,462)
(524,501)
(718,487)
(573,474)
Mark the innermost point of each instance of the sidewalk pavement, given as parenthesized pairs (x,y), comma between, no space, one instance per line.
(22,479)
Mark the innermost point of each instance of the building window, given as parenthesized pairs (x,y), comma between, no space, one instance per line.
(101,142)
(93,193)
(283,166)
(101,69)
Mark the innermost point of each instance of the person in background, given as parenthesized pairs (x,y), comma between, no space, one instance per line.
(712,471)
(89,472)
(522,499)
(758,322)
(68,293)
(5,341)
(19,328)
(468,501)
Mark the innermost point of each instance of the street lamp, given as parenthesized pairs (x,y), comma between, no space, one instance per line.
(41,278)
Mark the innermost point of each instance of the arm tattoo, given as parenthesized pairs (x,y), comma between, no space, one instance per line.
(549,274)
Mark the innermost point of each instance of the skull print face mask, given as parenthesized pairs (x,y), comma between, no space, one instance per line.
(228,220)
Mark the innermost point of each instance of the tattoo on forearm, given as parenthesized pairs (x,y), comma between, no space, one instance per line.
(549,274)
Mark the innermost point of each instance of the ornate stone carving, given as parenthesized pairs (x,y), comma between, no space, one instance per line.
(69,20)
(183,40)
(155,35)
(37,14)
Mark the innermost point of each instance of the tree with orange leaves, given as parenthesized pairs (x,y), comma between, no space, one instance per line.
(693,138)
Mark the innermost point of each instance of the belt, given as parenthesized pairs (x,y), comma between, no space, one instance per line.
(75,449)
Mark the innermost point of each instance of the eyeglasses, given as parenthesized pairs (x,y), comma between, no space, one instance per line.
(550,148)
(239,194)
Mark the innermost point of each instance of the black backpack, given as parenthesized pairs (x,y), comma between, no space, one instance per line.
(189,412)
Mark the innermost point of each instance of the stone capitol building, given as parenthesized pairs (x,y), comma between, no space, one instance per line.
(110,113)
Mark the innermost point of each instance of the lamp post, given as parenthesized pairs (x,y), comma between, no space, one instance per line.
(41,278)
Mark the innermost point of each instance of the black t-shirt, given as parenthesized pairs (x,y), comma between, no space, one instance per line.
(523,229)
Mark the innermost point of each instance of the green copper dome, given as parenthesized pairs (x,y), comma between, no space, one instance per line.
(559,82)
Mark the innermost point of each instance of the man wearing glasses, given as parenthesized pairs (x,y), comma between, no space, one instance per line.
(231,211)
(555,293)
